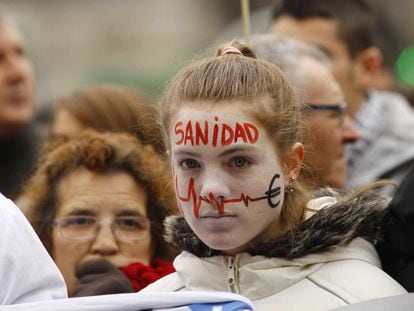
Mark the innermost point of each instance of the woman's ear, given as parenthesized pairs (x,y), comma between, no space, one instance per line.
(294,160)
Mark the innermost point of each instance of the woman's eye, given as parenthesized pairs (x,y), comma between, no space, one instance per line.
(132,223)
(79,221)
(189,163)
(239,162)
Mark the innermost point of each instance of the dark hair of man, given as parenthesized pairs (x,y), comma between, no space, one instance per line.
(392,37)
(356,19)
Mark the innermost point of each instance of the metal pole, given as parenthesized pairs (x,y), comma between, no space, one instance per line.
(245,19)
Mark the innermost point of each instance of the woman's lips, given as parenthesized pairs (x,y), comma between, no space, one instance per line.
(216,215)
(218,221)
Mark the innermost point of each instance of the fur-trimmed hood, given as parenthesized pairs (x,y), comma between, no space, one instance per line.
(348,216)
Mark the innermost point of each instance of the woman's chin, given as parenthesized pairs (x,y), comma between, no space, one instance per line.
(227,246)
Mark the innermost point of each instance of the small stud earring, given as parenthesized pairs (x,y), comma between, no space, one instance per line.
(289,188)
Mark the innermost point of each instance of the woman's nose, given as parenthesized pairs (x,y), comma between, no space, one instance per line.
(214,188)
(105,242)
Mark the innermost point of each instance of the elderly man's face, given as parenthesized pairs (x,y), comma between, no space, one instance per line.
(16,81)
(328,128)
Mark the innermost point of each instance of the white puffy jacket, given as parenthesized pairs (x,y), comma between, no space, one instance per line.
(326,262)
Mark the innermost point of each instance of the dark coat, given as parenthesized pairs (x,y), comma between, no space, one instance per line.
(397,249)
(18,156)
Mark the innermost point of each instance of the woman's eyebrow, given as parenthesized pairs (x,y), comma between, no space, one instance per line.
(81,211)
(185,152)
(129,212)
(229,151)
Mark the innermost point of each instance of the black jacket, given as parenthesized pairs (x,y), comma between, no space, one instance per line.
(397,248)
(18,156)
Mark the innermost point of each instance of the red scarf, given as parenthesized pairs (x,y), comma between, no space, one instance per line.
(141,275)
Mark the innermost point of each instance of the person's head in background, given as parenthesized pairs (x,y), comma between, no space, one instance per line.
(100,195)
(107,108)
(393,38)
(328,127)
(345,31)
(17,84)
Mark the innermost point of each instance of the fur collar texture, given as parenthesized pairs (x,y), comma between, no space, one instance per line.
(353,215)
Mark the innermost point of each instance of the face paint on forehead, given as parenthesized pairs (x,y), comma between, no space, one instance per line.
(272,195)
(196,133)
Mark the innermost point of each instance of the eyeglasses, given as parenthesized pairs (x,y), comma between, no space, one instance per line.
(340,108)
(124,228)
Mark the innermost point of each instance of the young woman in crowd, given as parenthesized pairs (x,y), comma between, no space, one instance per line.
(232,125)
(97,203)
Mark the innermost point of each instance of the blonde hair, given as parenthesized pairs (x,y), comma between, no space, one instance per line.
(262,90)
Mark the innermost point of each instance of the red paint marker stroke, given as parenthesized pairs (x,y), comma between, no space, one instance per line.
(211,199)
(197,133)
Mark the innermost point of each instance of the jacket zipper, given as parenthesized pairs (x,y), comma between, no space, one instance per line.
(231,274)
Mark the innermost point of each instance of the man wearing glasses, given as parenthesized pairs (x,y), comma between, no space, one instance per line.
(327,126)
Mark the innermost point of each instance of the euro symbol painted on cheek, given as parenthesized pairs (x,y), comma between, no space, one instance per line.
(273,192)
(191,195)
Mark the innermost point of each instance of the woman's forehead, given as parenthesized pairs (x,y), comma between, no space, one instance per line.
(209,131)
(230,111)
(83,187)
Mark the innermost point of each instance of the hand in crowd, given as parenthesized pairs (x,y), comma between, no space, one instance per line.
(100,277)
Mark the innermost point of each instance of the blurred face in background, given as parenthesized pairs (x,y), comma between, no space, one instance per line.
(323,33)
(328,126)
(100,215)
(16,81)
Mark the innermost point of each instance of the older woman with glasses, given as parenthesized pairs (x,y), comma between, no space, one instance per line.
(97,203)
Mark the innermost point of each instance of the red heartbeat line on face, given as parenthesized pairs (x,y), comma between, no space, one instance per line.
(211,199)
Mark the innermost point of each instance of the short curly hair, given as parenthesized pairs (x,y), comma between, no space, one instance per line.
(101,152)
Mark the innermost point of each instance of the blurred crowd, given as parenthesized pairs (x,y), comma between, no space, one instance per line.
(278,168)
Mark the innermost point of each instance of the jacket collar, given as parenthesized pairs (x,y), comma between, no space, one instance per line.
(353,215)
